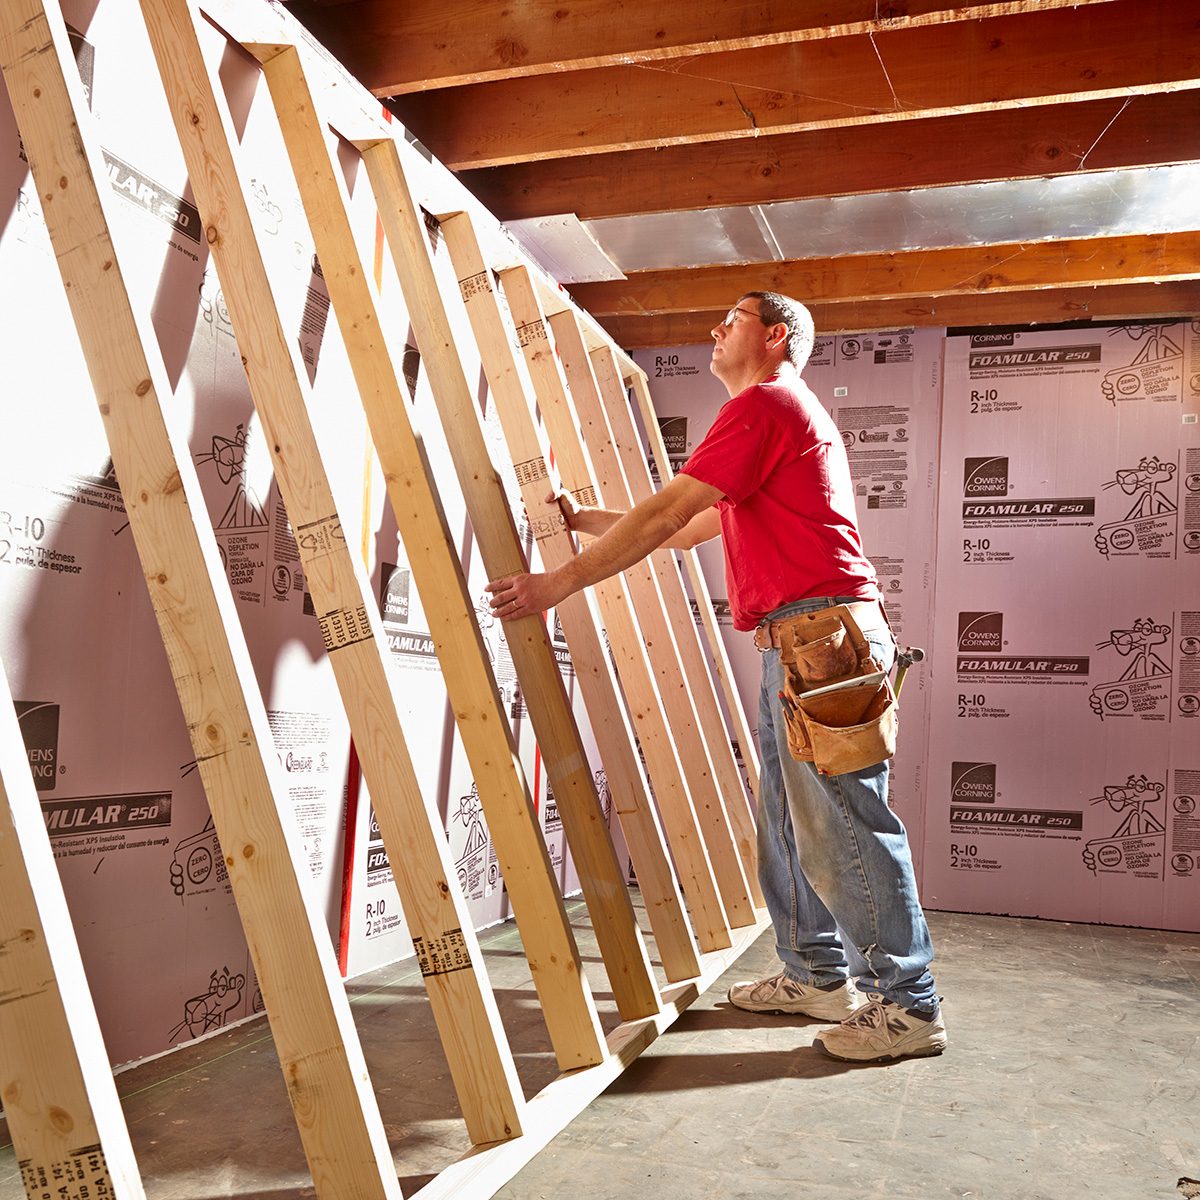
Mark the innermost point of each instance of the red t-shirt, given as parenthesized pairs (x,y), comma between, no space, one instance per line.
(787,514)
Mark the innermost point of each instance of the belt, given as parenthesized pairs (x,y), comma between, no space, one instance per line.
(868,615)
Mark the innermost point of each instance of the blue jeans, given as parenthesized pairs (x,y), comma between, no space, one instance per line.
(834,862)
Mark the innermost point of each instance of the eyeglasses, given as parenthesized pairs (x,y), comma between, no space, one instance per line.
(731,315)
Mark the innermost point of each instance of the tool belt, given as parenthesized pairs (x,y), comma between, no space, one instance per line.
(844,728)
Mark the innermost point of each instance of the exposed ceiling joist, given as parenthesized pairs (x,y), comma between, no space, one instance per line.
(1093,135)
(1126,301)
(1148,258)
(420,45)
(641,109)
(1133,47)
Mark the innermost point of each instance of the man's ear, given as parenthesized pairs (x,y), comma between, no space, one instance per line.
(778,338)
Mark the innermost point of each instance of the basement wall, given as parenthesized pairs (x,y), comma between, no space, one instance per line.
(1031,502)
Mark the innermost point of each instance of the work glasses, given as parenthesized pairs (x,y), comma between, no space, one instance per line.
(732,315)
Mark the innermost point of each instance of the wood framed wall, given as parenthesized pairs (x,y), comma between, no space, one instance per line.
(702,910)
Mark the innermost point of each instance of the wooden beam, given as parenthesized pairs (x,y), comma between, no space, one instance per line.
(732,858)
(1043,307)
(632,456)
(478,708)
(1093,135)
(425,44)
(627,782)
(464,1007)
(1045,57)
(319,1053)
(558,737)
(671,790)
(60,1102)
(1023,267)
(691,561)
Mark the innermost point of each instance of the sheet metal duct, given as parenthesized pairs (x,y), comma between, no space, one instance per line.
(1098,204)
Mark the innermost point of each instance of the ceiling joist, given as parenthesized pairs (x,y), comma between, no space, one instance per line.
(1051,306)
(1134,47)
(1147,258)
(421,45)
(1095,135)
(621,108)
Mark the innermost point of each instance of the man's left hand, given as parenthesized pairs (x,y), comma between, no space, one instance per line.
(524,595)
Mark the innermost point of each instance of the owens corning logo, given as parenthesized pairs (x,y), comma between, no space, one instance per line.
(991,339)
(393,594)
(38,720)
(985,476)
(982,632)
(972,783)
(674,433)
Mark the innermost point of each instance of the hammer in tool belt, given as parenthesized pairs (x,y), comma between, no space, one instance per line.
(905,659)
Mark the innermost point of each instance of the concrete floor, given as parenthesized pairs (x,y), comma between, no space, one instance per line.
(1073,1071)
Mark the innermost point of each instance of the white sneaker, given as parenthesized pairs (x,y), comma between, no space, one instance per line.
(881,1030)
(782,994)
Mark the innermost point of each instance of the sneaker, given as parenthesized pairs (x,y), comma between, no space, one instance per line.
(782,994)
(882,1030)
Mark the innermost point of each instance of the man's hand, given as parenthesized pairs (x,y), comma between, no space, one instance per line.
(567,505)
(524,595)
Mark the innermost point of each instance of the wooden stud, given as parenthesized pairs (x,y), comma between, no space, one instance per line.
(600,874)
(674,685)
(632,458)
(478,709)
(593,668)
(671,789)
(716,643)
(476,1047)
(60,1101)
(306,1004)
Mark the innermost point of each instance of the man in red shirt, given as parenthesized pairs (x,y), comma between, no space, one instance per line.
(772,480)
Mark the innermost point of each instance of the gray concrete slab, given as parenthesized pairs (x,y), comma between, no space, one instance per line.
(1073,1070)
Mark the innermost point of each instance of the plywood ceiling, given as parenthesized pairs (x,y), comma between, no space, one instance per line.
(626,114)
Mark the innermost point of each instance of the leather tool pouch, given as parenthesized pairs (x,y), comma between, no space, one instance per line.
(844,730)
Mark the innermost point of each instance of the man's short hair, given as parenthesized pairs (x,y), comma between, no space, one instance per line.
(777,309)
